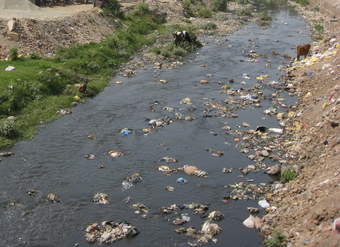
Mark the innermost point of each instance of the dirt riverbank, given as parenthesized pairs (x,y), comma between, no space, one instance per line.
(308,205)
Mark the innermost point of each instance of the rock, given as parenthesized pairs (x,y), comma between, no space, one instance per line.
(264,204)
(11,25)
(11,118)
(13,36)
(252,222)
(264,153)
(274,170)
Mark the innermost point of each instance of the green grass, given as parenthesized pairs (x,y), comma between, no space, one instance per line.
(277,240)
(302,2)
(208,26)
(39,87)
(288,175)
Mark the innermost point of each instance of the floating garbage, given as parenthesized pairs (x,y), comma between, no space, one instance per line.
(168,159)
(208,231)
(125,132)
(90,156)
(6,154)
(182,220)
(53,198)
(204,81)
(170,188)
(140,209)
(166,169)
(248,97)
(194,171)
(9,68)
(261,77)
(216,216)
(130,181)
(108,232)
(276,130)
(215,153)
(186,100)
(115,153)
(101,198)
(181,180)
(264,204)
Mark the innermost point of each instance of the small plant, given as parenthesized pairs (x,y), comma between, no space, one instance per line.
(264,16)
(220,5)
(288,175)
(209,26)
(244,12)
(319,28)
(13,54)
(8,129)
(277,240)
(302,2)
(204,12)
(112,8)
(34,56)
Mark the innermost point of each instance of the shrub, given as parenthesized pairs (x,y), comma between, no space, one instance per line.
(112,8)
(302,2)
(188,8)
(204,12)
(13,54)
(53,81)
(277,240)
(34,56)
(209,26)
(8,128)
(220,5)
(264,16)
(288,175)
(319,28)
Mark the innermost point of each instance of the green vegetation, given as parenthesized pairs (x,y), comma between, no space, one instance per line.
(244,12)
(39,87)
(277,240)
(208,26)
(204,12)
(302,2)
(112,8)
(318,32)
(220,5)
(288,175)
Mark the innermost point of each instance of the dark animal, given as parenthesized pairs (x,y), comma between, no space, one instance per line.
(302,50)
(182,36)
(83,88)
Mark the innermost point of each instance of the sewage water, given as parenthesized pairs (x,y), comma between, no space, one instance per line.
(53,161)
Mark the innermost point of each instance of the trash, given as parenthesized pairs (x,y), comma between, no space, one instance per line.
(170,188)
(194,171)
(215,153)
(261,77)
(141,209)
(166,169)
(115,154)
(170,209)
(208,231)
(92,137)
(53,198)
(125,132)
(76,98)
(9,68)
(168,159)
(248,97)
(197,208)
(216,216)
(253,210)
(163,81)
(245,76)
(100,198)
(336,226)
(180,221)
(204,81)
(276,130)
(264,204)
(90,156)
(273,170)
(64,112)
(119,82)
(252,222)
(310,73)
(187,101)
(6,154)
(227,170)
(108,232)
(130,181)
(181,180)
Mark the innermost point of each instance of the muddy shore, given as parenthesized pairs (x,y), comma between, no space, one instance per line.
(308,205)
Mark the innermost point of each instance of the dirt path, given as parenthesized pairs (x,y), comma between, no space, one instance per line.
(45,13)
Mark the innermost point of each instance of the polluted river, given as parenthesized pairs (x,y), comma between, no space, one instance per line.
(193,113)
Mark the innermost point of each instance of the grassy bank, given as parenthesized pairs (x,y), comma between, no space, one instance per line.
(38,87)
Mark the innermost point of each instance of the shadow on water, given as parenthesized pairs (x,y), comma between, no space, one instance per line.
(53,161)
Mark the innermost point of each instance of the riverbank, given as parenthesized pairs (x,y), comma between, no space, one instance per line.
(37,89)
(308,205)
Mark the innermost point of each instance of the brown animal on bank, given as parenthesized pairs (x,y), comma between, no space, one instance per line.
(302,50)
(83,88)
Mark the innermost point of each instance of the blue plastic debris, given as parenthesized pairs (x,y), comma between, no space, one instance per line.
(125,132)
(181,180)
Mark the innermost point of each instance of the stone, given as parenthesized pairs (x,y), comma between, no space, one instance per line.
(13,36)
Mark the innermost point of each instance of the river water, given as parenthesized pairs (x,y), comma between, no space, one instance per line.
(53,161)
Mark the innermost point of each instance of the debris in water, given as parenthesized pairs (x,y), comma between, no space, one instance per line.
(170,188)
(181,180)
(216,216)
(6,154)
(194,171)
(215,153)
(125,132)
(53,198)
(141,209)
(115,153)
(168,159)
(90,156)
(101,198)
(187,101)
(108,232)
(252,222)
(130,181)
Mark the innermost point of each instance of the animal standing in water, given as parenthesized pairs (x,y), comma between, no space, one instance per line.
(302,50)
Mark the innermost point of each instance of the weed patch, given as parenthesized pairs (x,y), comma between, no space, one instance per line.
(277,240)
